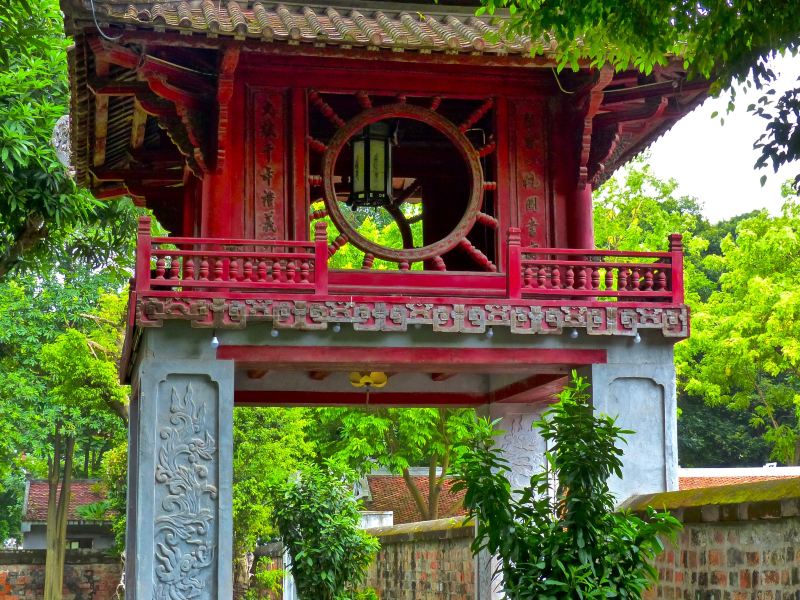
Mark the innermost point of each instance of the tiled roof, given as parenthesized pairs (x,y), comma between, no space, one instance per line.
(389,492)
(391,26)
(693,483)
(82,491)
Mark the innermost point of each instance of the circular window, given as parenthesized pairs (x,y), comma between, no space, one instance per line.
(420,166)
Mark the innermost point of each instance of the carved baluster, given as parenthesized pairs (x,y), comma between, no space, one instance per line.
(262,271)
(556,277)
(366,264)
(595,277)
(648,279)
(304,270)
(175,268)
(188,268)
(661,280)
(581,280)
(541,277)
(277,271)
(291,269)
(622,279)
(218,270)
(403,265)
(160,267)
(635,278)
(204,269)
(570,280)
(609,278)
(527,278)
(248,270)
(233,270)
(438,263)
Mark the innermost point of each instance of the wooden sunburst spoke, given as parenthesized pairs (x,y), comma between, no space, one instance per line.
(364,100)
(315,180)
(407,192)
(438,263)
(325,108)
(369,259)
(489,186)
(490,147)
(436,101)
(478,256)
(318,214)
(487,220)
(316,145)
(337,244)
(414,219)
(402,98)
(476,115)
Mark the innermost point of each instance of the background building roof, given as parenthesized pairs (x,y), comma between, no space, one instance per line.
(82,492)
(390,492)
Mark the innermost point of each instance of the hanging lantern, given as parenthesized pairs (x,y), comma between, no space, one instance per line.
(372,166)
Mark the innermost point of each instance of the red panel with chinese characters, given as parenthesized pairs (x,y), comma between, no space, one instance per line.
(529,148)
(267,216)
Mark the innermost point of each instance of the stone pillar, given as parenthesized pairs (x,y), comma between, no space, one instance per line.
(179,481)
(524,449)
(637,387)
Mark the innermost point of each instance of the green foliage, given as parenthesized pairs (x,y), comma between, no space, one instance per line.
(115,482)
(397,439)
(269,445)
(41,209)
(265,582)
(96,511)
(12,494)
(744,352)
(726,41)
(318,520)
(570,544)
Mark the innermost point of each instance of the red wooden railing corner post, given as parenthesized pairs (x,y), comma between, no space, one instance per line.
(676,249)
(143,250)
(320,258)
(514,264)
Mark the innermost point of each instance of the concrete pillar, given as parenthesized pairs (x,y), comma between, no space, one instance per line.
(637,387)
(179,480)
(524,449)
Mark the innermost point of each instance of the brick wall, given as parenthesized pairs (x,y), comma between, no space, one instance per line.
(739,542)
(424,561)
(758,560)
(88,575)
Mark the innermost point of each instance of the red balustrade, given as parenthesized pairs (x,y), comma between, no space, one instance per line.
(587,274)
(231,265)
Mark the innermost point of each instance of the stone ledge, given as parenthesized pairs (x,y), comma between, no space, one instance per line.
(774,499)
(73,557)
(439,529)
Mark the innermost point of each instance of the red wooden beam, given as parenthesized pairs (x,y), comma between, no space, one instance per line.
(531,389)
(355,398)
(425,360)
(442,376)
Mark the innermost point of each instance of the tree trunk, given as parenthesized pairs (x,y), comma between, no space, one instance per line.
(57,515)
(241,574)
(419,500)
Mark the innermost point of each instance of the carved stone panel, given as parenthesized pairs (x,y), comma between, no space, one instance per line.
(179,520)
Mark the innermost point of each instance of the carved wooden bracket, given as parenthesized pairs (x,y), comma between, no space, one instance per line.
(180,97)
(595,98)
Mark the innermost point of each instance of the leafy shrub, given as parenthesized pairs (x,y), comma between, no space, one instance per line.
(318,520)
(570,544)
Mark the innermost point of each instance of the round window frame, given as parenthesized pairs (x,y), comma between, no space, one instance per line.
(462,145)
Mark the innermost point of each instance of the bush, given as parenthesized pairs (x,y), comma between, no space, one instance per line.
(570,544)
(318,520)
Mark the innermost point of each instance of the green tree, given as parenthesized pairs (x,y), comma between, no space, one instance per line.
(269,445)
(40,205)
(318,520)
(726,40)
(568,544)
(398,439)
(744,352)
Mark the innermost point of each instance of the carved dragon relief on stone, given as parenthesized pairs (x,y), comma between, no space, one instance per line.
(185,526)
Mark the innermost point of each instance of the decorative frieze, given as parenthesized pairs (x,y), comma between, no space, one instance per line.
(398,315)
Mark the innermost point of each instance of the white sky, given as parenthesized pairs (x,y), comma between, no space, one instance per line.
(714,162)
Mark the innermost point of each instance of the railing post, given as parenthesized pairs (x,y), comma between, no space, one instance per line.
(143,249)
(320,258)
(514,264)
(676,249)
